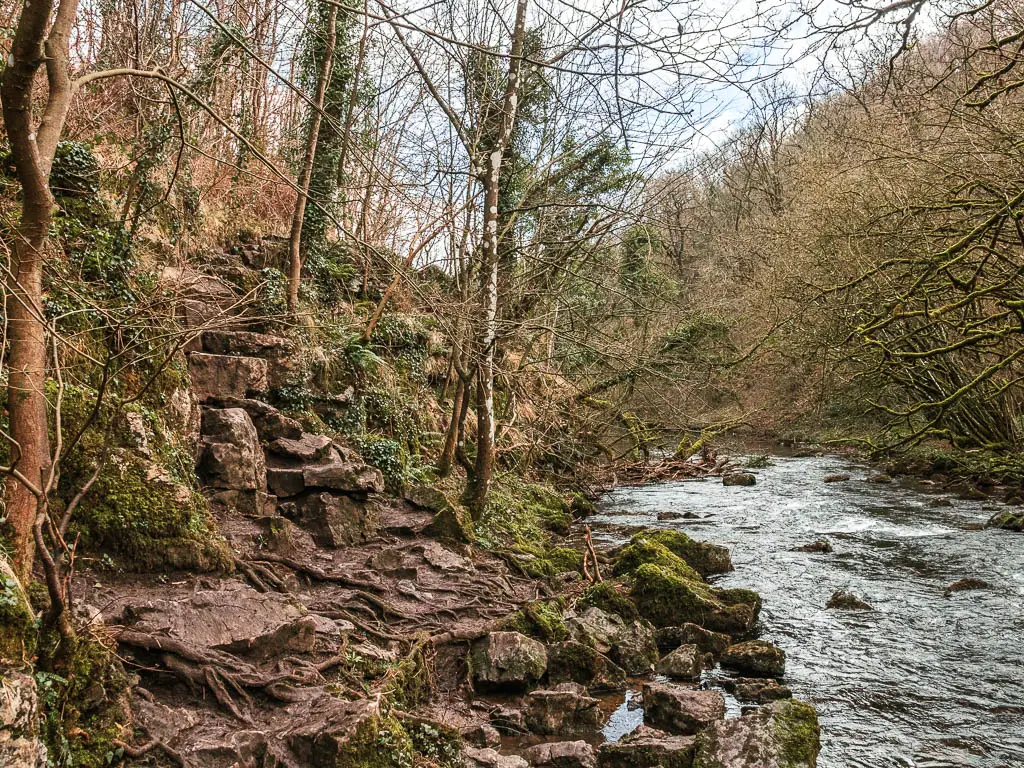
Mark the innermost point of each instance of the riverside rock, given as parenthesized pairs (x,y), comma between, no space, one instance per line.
(684,663)
(562,711)
(844,600)
(964,585)
(579,663)
(508,660)
(562,754)
(784,734)
(756,658)
(821,547)
(647,748)
(739,479)
(670,638)
(705,558)
(681,710)
(757,689)
(666,599)
(631,645)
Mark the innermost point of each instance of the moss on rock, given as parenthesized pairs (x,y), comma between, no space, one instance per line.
(797,733)
(645,551)
(610,598)
(18,628)
(379,742)
(541,619)
(703,557)
(666,599)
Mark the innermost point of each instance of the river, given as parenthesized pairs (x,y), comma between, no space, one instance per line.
(924,680)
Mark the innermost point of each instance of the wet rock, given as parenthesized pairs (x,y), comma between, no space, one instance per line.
(684,663)
(821,547)
(964,585)
(837,478)
(705,558)
(942,502)
(489,758)
(647,748)
(757,689)
(1007,520)
(508,720)
(715,643)
(681,710)
(285,481)
(507,660)
(879,479)
(756,658)
(562,754)
(562,711)
(279,352)
(269,421)
(670,516)
(20,744)
(348,473)
(579,663)
(306,448)
(335,520)
(784,734)
(668,600)
(631,645)
(482,736)
(739,478)
(219,376)
(844,600)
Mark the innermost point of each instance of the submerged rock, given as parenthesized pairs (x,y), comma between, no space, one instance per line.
(647,748)
(562,754)
(821,547)
(964,585)
(755,657)
(562,711)
(837,478)
(1007,520)
(784,734)
(508,660)
(844,600)
(880,478)
(681,710)
(684,663)
(739,478)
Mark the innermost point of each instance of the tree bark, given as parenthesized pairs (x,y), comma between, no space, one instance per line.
(485,451)
(295,240)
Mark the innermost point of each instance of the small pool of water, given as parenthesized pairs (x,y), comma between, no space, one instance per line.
(922,681)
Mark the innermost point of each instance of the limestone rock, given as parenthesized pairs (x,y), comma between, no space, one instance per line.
(562,711)
(215,377)
(631,645)
(684,663)
(681,710)
(231,458)
(844,600)
(306,447)
(562,754)
(347,474)
(757,689)
(667,599)
(335,520)
(670,638)
(1007,520)
(756,658)
(489,758)
(647,748)
(279,352)
(269,421)
(482,736)
(508,660)
(784,734)
(739,478)
(20,744)
(579,663)
(285,481)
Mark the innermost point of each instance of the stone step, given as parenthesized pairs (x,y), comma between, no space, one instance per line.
(216,377)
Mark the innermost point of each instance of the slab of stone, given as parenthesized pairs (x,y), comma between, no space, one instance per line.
(215,377)
(681,710)
(508,660)
(564,710)
(784,734)
(562,754)
(684,663)
(334,520)
(647,748)
(307,447)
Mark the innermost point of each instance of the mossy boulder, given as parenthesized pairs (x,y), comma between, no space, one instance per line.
(784,734)
(705,558)
(541,619)
(451,522)
(573,662)
(666,599)
(756,658)
(361,736)
(610,597)
(644,551)
(565,559)
(1008,520)
(740,596)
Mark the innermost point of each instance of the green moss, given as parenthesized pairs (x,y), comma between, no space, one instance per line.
(18,627)
(643,551)
(541,619)
(610,598)
(666,599)
(739,596)
(797,733)
(379,742)
(565,559)
(434,743)
(85,700)
(521,515)
(703,557)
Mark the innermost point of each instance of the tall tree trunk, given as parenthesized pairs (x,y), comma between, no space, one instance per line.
(32,149)
(295,240)
(485,450)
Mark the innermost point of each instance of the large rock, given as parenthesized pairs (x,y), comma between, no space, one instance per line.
(231,458)
(335,520)
(199,299)
(780,735)
(756,658)
(347,473)
(508,660)
(20,745)
(647,748)
(285,481)
(667,599)
(215,377)
(844,600)
(279,352)
(562,754)
(757,689)
(631,644)
(739,478)
(490,758)
(269,421)
(684,663)
(670,638)
(565,710)
(704,557)
(681,710)
(579,663)
(306,447)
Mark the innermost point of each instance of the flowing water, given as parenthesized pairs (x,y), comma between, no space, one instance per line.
(923,680)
